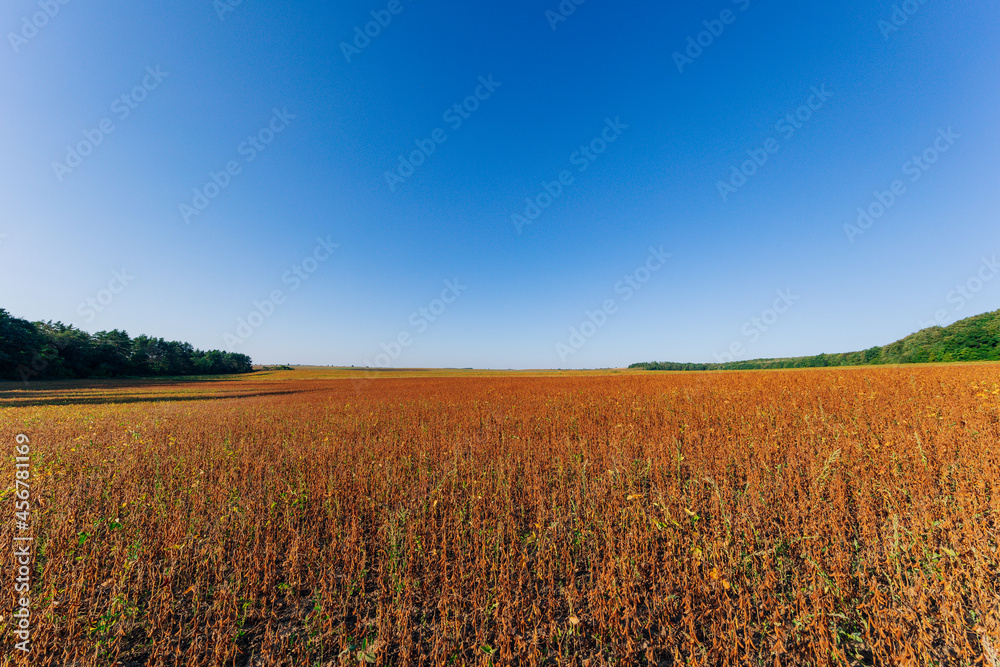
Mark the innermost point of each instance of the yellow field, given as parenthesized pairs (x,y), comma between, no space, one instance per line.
(324,517)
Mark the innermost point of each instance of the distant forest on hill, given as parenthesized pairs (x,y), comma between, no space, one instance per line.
(53,350)
(975,338)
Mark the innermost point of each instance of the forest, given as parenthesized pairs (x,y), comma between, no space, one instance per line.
(55,351)
(975,338)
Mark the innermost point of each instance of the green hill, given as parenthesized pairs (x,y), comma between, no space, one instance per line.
(975,338)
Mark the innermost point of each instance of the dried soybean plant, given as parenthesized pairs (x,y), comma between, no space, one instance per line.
(815,517)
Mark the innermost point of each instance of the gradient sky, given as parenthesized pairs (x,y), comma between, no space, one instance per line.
(346,115)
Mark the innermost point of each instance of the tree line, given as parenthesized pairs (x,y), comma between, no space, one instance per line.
(53,350)
(975,338)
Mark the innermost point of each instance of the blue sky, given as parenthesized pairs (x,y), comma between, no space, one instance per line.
(217,173)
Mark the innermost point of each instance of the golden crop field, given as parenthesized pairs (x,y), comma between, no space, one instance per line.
(310,518)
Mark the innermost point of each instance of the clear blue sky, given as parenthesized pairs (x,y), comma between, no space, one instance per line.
(309,115)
